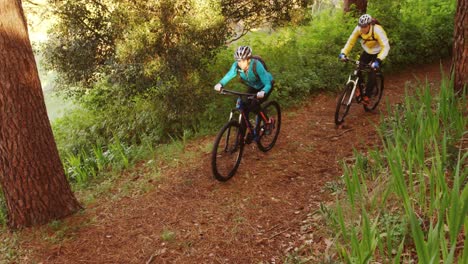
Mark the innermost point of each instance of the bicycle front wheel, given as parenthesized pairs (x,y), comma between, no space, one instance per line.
(227,151)
(268,131)
(343,104)
(377,93)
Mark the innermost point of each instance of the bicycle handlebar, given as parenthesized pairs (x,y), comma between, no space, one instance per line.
(224,91)
(359,64)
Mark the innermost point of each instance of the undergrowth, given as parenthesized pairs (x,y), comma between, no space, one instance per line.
(409,200)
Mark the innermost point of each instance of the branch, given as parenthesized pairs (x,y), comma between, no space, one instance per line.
(31,2)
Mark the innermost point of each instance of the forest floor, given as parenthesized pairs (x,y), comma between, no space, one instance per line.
(177,212)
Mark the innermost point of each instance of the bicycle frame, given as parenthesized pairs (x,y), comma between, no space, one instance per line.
(354,77)
(240,108)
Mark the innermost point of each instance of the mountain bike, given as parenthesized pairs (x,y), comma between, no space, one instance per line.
(238,131)
(350,94)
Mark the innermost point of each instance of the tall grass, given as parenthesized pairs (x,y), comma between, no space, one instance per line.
(420,177)
(86,165)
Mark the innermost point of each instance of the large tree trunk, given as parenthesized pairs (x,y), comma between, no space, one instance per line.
(361,5)
(33,181)
(460,46)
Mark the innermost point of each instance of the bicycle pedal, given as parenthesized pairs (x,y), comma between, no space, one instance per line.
(269,126)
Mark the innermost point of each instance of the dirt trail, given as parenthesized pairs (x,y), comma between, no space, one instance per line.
(262,213)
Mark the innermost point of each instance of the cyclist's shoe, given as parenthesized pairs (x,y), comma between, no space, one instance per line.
(358,95)
(358,92)
(269,126)
(365,100)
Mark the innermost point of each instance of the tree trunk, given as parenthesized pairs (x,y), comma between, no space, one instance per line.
(460,46)
(361,5)
(33,181)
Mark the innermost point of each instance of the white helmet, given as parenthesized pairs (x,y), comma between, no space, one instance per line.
(242,53)
(364,20)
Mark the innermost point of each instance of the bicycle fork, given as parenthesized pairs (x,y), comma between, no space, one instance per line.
(353,91)
(228,135)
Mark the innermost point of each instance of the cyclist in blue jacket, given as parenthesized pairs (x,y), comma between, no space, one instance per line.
(252,73)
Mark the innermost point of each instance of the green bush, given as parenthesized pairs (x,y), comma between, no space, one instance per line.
(420,31)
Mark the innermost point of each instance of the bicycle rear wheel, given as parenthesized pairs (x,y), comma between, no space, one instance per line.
(227,151)
(268,132)
(343,104)
(377,93)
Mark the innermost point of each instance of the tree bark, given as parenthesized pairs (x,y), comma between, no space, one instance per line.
(361,5)
(460,46)
(32,178)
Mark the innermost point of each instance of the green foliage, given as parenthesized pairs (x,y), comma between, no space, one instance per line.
(393,228)
(143,45)
(255,14)
(10,248)
(3,210)
(133,45)
(85,165)
(420,31)
(168,235)
(150,82)
(79,43)
(79,169)
(418,192)
(76,130)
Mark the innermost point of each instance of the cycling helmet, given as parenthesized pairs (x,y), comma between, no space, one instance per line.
(242,53)
(364,20)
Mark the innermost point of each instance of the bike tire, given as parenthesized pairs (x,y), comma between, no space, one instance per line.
(343,104)
(268,132)
(377,93)
(227,151)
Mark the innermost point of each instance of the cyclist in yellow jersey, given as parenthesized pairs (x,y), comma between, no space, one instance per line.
(374,41)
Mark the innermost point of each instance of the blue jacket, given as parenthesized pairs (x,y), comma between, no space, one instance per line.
(261,84)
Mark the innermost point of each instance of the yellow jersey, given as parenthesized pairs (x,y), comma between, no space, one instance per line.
(374,42)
